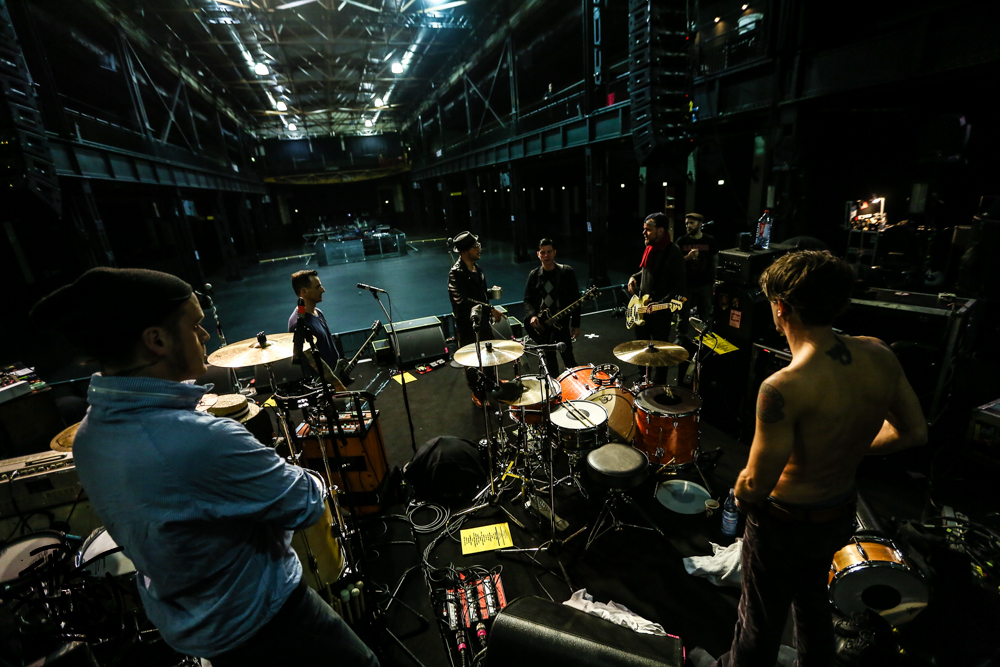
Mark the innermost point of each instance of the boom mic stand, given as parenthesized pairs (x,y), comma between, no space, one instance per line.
(207,304)
(399,360)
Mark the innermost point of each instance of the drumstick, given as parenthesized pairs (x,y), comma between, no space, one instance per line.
(585,417)
(672,459)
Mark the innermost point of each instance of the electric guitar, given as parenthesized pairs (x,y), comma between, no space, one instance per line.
(550,321)
(340,377)
(639,307)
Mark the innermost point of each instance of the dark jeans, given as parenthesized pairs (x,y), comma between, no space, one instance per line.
(567,355)
(305,631)
(786,563)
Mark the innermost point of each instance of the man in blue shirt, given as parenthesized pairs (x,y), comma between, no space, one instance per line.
(309,288)
(204,511)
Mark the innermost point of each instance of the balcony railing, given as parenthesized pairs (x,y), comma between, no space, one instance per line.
(742,45)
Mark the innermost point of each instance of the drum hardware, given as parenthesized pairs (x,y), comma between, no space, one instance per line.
(617,468)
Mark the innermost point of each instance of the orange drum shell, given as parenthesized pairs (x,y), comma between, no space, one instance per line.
(621,419)
(576,383)
(679,439)
(878,552)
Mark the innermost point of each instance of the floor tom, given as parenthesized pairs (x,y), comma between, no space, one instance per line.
(668,425)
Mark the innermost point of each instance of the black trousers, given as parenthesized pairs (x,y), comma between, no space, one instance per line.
(569,360)
(305,631)
(786,564)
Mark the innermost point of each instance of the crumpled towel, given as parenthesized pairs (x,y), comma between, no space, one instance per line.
(722,569)
(614,612)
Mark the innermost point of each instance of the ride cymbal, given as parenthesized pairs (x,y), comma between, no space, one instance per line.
(249,352)
(494,353)
(651,353)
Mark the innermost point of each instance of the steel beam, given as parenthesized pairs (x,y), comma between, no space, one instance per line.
(603,125)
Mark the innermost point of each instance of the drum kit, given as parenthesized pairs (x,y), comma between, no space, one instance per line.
(586,408)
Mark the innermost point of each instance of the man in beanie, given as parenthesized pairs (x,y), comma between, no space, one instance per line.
(467,289)
(204,511)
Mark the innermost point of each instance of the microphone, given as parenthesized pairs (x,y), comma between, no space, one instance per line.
(300,332)
(560,346)
(477,314)
(371,289)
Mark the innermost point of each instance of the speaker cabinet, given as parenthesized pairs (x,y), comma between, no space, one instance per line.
(535,632)
(420,340)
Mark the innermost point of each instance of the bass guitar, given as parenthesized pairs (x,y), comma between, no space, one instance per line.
(639,307)
(550,322)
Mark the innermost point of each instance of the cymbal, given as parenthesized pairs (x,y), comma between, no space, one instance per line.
(531,394)
(63,442)
(494,353)
(249,352)
(651,353)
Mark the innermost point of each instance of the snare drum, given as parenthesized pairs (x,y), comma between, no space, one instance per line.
(667,421)
(579,425)
(620,405)
(535,412)
(871,573)
(582,381)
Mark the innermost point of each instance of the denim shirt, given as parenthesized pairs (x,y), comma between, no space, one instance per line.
(204,511)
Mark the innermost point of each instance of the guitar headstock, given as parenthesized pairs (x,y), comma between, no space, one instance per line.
(591,293)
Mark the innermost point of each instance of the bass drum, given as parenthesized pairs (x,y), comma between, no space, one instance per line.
(620,406)
(871,573)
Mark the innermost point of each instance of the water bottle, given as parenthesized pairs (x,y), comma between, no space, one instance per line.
(730,515)
(764,229)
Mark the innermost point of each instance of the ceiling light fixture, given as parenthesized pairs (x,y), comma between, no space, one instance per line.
(379,102)
(292,127)
(281,106)
(260,69)
(397,68)
(718,18)
(294,3)
(368,123)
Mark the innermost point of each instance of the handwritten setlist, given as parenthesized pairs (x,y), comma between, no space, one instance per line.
(486,538)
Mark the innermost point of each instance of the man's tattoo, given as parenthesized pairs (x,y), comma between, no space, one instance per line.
(839,352)
(769,404)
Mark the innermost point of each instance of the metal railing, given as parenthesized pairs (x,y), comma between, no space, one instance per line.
(742,45)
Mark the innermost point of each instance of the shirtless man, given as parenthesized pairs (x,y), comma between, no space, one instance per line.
(839,400)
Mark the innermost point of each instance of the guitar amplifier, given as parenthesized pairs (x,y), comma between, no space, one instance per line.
(36,481)
(364,458)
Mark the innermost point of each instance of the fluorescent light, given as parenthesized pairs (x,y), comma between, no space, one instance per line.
(281,106)
(260,69)
(397,68)
(379,102)
(294,3)
(368,123)
(292,127)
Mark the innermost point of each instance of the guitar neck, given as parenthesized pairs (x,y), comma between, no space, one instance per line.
(565,311)
(662,306)
(357,357)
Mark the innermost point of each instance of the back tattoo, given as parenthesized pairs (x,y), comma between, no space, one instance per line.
(839,352)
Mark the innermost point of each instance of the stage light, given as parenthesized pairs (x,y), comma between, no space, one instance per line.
(378,102)
(292,127)
(260,69)
(397,68)
(281,106)
(721,182)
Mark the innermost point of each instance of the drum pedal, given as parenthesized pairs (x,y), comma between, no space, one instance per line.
(541,508)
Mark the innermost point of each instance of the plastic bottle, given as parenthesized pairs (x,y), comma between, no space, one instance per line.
(764,229)
(730,515)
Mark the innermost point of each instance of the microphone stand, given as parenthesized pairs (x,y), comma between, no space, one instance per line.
(222,336)
(399,367)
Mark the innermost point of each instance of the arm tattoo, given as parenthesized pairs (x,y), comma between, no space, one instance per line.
(839,352)
(769,404)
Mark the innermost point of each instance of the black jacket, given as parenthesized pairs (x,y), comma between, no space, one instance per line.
(464,287)
(663,276)
(566,289)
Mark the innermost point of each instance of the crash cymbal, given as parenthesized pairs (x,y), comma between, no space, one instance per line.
(63,442)
(531,392)
(651,353)
(249,352)
(494,352)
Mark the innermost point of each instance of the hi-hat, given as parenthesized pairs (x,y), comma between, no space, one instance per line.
(651,353)
(63,442)
(531,392)
(494,353)
(249,352)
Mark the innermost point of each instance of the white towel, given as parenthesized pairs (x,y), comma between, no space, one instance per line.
(614,612)
(722,569)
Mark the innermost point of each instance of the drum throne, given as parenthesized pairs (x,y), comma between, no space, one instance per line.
(616,468)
